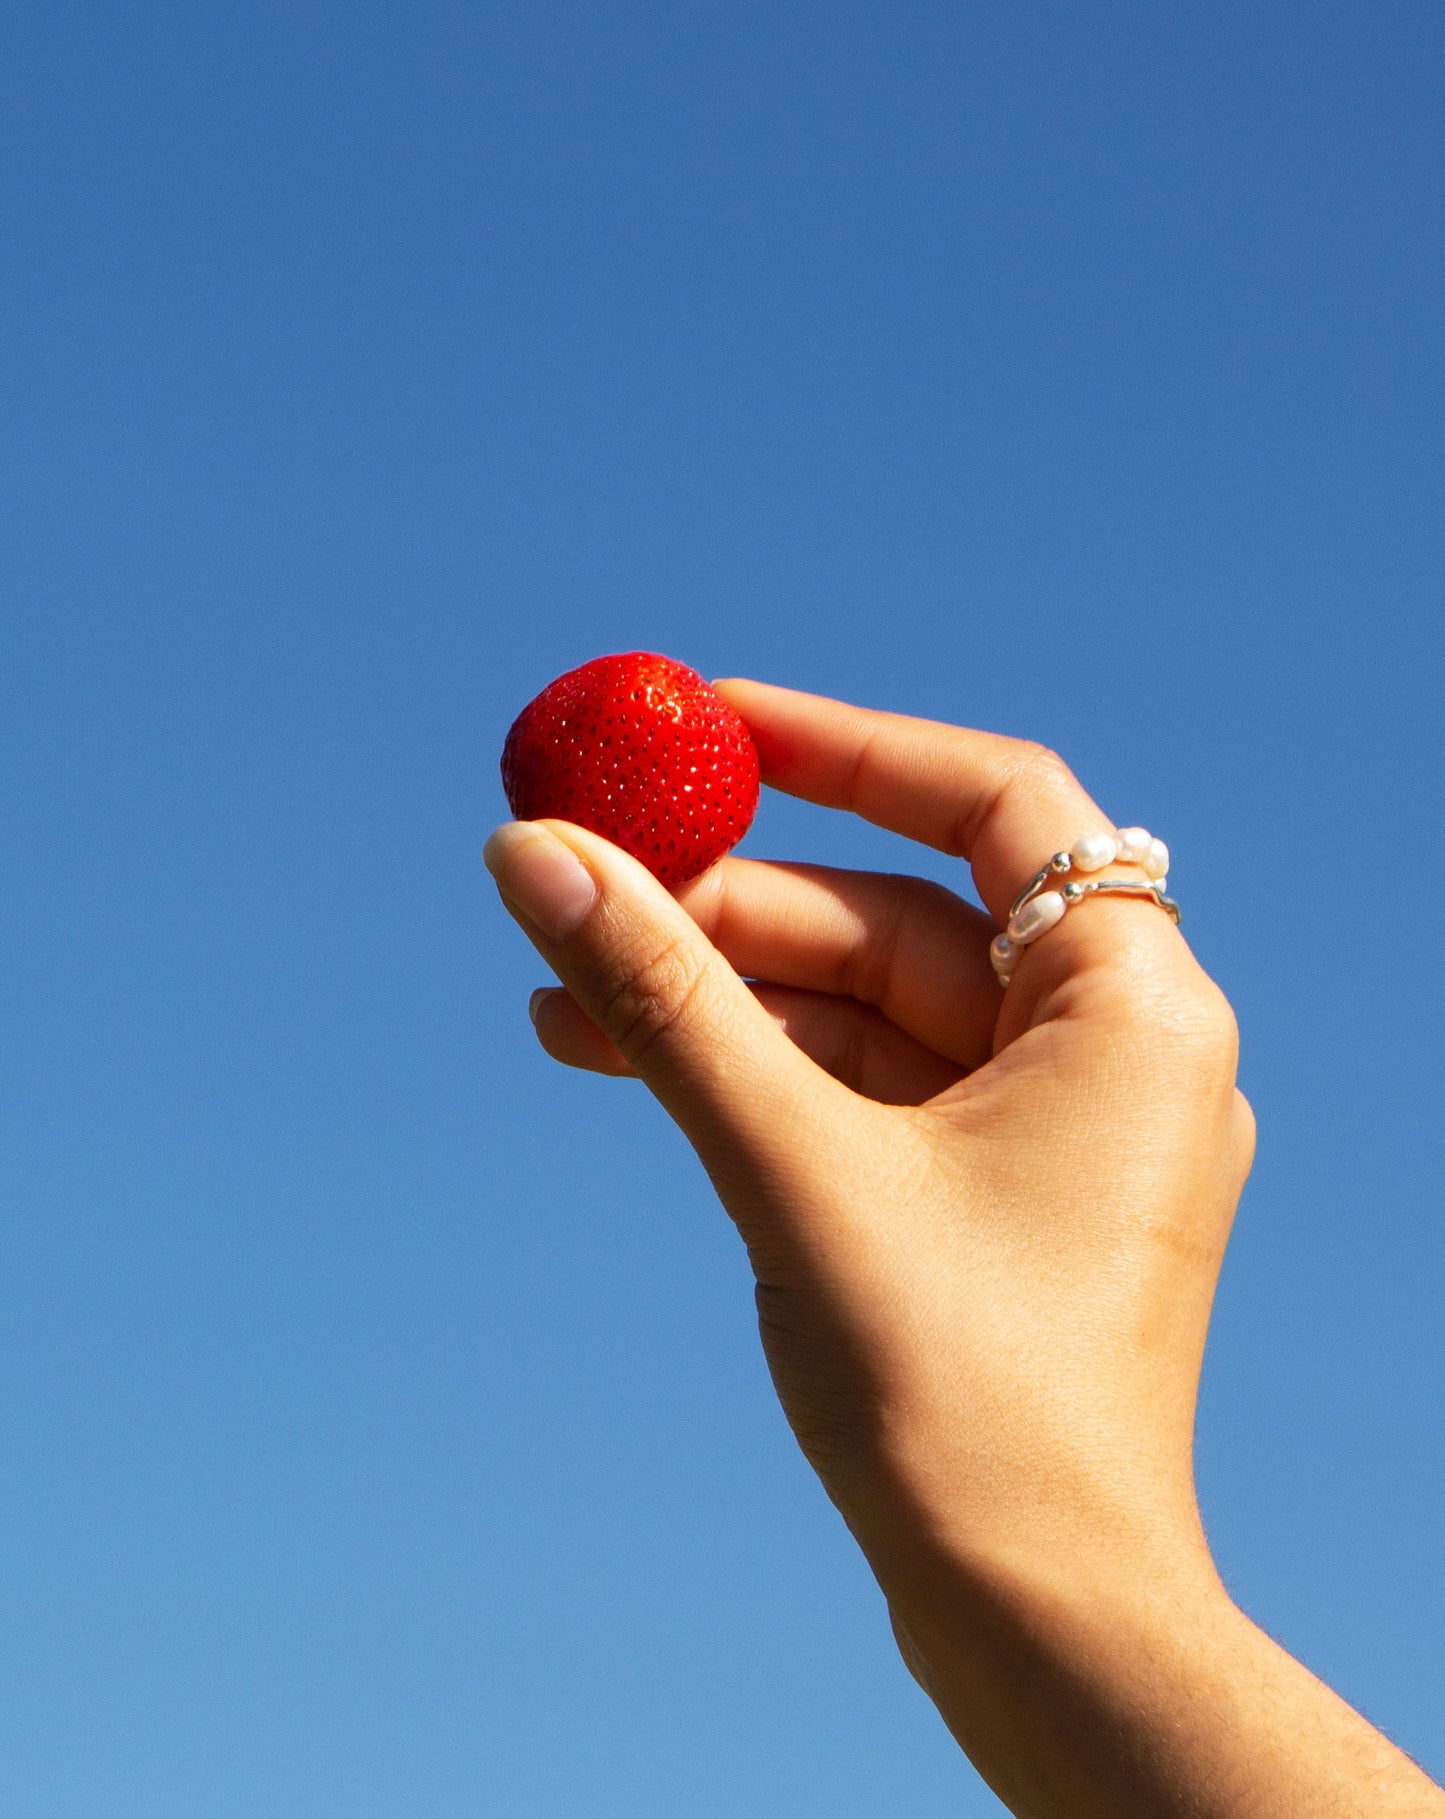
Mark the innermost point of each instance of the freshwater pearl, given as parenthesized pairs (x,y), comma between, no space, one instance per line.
(1134,842)
(1094,851)
(1037,918)
(1156,860)
(1002,953)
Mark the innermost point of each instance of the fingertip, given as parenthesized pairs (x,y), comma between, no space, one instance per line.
(761,706)
(545,1008)
(744,694)
(541,876)
(569,1036)
(749,696)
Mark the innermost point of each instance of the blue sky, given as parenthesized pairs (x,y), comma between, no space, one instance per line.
(382,1420)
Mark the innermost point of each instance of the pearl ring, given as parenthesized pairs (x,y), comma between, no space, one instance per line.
(1037,909)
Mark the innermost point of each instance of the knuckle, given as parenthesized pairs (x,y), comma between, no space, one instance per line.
(850,1063)
(1028,769)
(875,959)
(868,968)
(925,900)
(1209,1020)
(642,1002)
(1043,771)
(1197,1024)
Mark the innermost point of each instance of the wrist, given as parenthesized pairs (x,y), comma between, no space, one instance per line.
(1053,1588)
(1085,1522)
(1053,1665)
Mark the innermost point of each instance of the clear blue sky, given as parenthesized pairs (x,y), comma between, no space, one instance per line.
(382,1428)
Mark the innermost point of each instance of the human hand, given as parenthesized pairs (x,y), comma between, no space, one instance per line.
(986,1228)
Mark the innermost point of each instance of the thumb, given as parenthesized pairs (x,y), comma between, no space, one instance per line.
(654,984)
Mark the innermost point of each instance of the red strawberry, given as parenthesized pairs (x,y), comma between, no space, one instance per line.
(640,750)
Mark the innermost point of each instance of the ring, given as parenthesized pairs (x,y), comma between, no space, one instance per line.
(1037,909)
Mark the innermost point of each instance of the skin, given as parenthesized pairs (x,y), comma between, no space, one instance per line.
(986,1229)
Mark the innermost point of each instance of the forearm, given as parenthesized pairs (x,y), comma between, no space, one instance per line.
(1079,1694)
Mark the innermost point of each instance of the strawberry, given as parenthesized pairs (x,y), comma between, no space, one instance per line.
(640,750)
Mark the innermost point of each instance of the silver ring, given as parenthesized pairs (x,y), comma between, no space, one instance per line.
(1041,905)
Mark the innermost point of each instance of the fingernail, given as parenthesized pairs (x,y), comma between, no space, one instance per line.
(534,1003)
(544,878)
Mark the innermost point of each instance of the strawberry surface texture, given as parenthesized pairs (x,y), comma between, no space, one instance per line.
(639,749)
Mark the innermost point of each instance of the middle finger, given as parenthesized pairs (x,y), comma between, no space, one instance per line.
(911,948)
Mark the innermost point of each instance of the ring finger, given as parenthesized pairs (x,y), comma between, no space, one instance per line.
(853,1042)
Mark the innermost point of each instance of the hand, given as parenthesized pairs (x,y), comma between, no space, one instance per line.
(986,1230)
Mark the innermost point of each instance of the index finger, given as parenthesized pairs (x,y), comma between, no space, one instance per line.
(1003,804)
